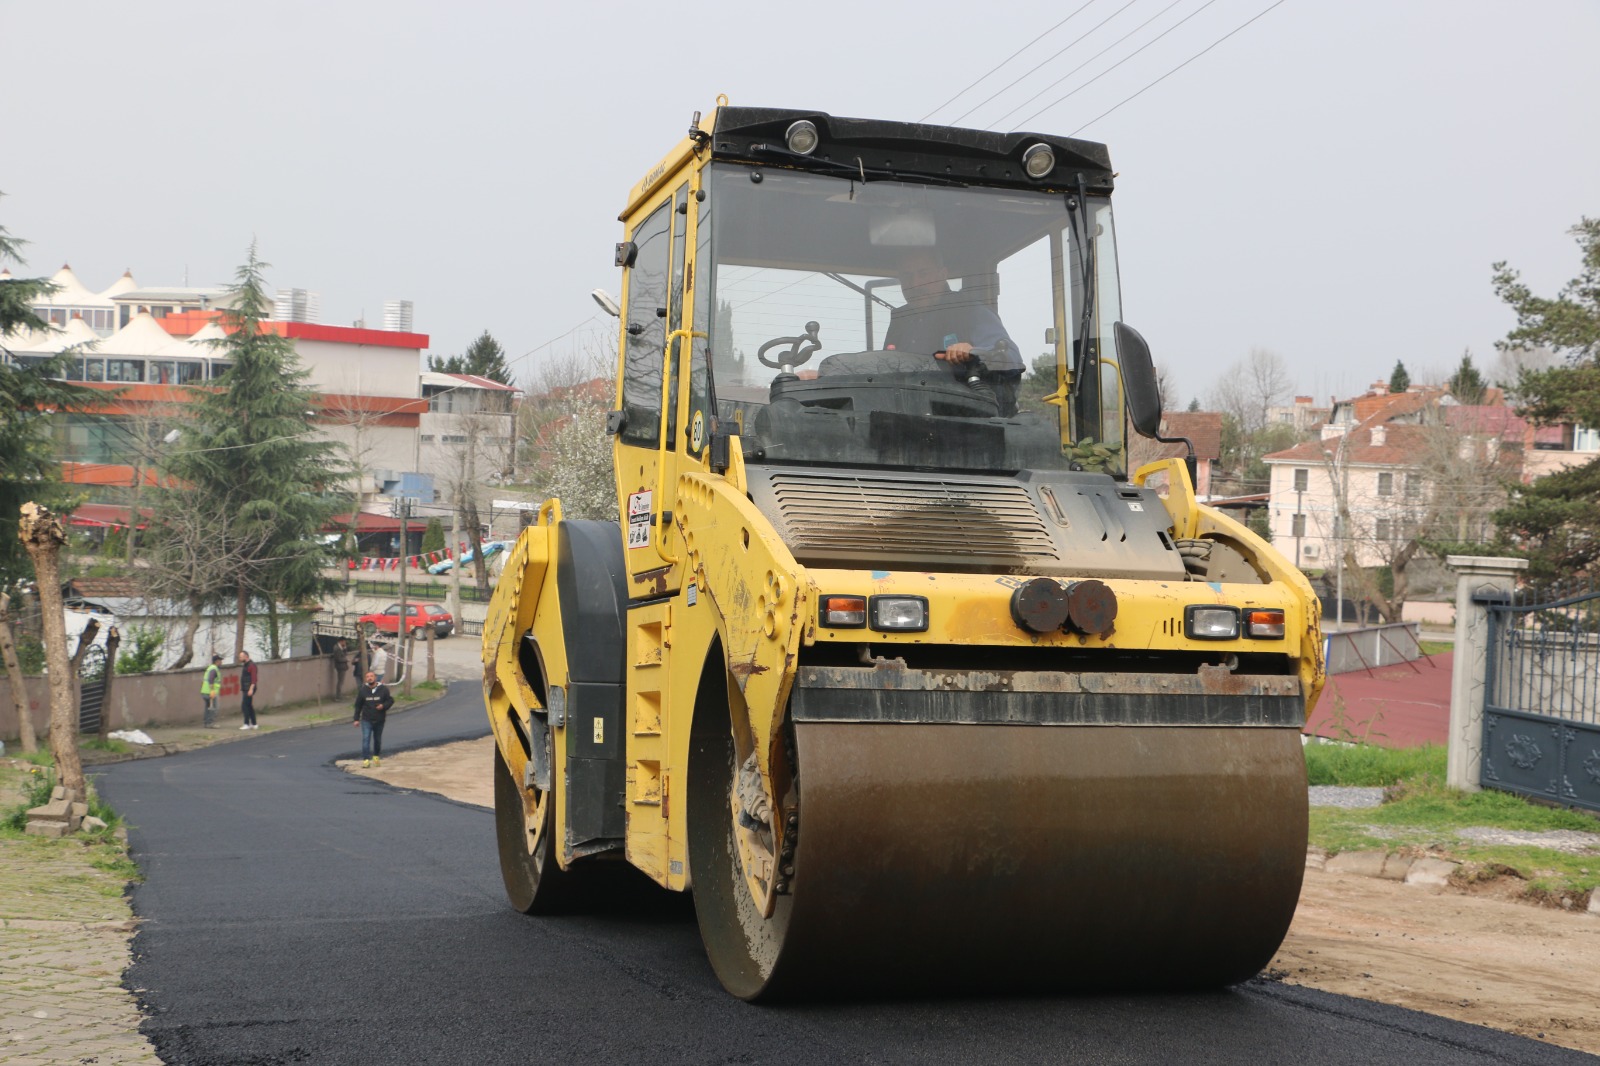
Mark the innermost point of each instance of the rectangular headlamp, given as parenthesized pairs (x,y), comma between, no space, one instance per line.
(903,614)
(1264,624)
(842,612)
(1210,623)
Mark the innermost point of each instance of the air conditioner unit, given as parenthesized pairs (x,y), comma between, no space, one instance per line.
(1309,551)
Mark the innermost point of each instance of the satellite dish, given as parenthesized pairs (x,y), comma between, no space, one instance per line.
(607,302)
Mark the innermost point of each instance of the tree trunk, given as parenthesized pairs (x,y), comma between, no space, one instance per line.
(408,642)
(272,627)
(431,634)
(239,618)
(43,535)
(133,511)
(455,568)
(189,631)
(480,572)
(19,692)
(113,640)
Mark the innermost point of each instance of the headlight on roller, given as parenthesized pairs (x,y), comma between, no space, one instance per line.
(1264,625)
(842,612)
(905,614)
(1210,623)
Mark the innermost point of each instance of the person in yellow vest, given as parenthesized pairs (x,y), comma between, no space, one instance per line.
(210,689)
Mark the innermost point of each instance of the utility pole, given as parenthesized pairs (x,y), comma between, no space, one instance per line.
(402,506)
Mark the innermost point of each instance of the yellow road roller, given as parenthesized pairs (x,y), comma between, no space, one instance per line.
(897,658)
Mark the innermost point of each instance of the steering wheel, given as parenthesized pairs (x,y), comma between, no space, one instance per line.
(801,349)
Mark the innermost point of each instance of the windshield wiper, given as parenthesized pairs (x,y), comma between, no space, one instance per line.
(859,169)
(1086,255)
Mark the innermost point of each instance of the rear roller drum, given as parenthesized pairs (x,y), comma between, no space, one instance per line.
(742,945)
(524,822)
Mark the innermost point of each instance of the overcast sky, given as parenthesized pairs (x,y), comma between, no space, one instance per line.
(1331,183)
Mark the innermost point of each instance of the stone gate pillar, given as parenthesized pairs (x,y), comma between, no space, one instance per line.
(1474,575)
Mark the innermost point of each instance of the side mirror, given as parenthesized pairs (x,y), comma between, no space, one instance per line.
(1138,380)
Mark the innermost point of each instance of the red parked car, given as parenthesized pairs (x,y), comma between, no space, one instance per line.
(420,615)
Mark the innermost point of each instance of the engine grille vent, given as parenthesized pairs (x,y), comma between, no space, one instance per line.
(901,520)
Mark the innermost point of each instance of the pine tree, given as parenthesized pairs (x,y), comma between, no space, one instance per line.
(250,461)
(1556,520)
(433,536)
(1400,380)
(1466,384)
(1194,404)
(28,470)
(484,357)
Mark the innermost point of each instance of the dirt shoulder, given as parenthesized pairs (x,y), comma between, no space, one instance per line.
(1475,957)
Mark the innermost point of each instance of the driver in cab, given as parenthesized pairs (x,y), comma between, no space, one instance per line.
(949,325)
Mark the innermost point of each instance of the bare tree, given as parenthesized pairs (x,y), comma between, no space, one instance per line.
(1446,494)
(1251,387)
(196,552)
(19,693)
(562,431)
(43,535)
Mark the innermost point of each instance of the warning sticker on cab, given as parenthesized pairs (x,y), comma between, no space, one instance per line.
(639,519)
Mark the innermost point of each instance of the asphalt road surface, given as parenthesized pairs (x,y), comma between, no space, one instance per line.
(293,913)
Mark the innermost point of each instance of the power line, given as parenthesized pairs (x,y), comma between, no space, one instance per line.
(540,347)
(1004,61)
(1052,56)
(1100,53)
(1174,70)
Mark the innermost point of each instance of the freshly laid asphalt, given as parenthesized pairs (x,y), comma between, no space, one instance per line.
(293,913)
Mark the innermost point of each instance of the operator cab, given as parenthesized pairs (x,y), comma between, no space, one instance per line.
(878,294)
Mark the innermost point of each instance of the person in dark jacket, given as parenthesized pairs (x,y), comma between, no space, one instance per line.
(247,690)
(372,707)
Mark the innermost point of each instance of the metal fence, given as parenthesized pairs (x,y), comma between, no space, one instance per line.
(1541,720)
(1370,647)
(418,591)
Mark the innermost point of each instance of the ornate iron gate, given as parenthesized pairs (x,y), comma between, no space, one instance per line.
(1541,714)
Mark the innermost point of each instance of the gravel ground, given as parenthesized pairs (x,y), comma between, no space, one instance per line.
(1342,796)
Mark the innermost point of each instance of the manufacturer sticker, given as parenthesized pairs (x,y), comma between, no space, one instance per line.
(692,594)
(639,519)
(1135,505)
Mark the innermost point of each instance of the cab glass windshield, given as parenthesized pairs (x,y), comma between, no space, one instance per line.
(898,324)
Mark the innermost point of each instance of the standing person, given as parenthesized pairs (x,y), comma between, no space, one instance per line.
(372,707)
(247,690)
(341,666)
(210,689)
(380,660)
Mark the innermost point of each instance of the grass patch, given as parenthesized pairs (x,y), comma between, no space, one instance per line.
(323,717)
(1436,647)
(1371,766)
(431,686)
(1422,815)
(111,744)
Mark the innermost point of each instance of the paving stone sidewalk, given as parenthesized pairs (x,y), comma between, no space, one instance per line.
(64,932)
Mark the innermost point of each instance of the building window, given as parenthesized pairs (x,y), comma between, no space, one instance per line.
(1385,484)
(1413,486)
(1299,529)
(427,438)
(1301,478)
(453,438)
(124,369)
(1385,530)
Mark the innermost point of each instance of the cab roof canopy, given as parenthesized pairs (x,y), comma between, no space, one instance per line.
(909,151)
